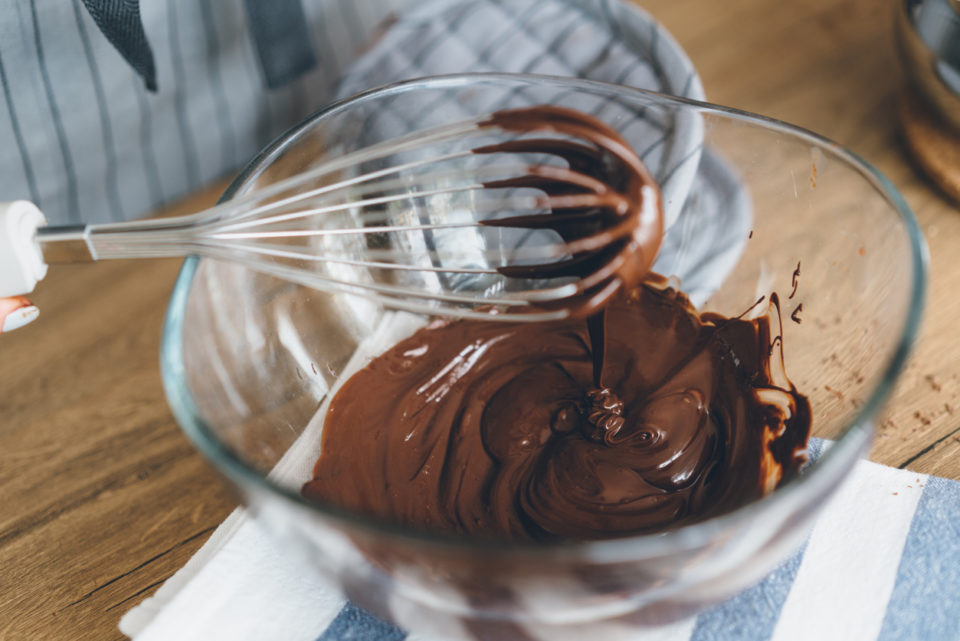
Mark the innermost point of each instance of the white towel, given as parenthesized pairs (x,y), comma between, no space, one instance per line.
(882,562)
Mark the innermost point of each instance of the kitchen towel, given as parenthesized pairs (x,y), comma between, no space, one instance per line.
(109,108)
(605,40)
(882,563)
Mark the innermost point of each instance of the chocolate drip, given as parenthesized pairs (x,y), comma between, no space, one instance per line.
(622,232)
(604,409)
(598,345)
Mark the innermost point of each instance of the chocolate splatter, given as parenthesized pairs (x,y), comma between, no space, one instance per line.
(795,314)
(795,281)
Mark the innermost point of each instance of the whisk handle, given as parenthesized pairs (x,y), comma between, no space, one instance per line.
(66,244)
(22,263)
(27,245)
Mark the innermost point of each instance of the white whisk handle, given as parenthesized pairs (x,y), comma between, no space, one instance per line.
(21,261)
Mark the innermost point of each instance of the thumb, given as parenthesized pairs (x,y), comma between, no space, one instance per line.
(16,312)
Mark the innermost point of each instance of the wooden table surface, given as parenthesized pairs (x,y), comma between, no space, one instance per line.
(103,498)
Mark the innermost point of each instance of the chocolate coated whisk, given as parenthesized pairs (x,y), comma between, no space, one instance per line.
(531,214)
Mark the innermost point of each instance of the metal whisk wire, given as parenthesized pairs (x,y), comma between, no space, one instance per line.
(429,222)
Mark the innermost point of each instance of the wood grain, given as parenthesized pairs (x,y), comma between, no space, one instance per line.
(832,67)
(103,498)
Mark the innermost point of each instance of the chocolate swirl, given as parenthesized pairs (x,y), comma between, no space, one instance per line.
(497,429)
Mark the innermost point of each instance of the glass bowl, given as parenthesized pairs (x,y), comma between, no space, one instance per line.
(754,206)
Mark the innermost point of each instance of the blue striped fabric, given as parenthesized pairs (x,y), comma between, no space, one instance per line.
(282,41)
(88,142)
(66,154)
(925,603)
(109,142)
(753,614)
(598,39)
(922,602)
(353,624)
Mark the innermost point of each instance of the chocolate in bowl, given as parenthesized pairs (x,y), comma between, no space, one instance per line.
(540,432)
(248,361)
(503,430)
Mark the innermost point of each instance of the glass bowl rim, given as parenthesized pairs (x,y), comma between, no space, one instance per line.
(846,449)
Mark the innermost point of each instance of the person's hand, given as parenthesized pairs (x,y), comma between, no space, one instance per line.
(16,312)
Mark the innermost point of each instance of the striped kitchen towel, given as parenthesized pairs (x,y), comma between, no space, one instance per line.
(109,109)
(604,40)
(882,562)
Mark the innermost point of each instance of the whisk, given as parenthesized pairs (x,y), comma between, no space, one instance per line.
(527,214)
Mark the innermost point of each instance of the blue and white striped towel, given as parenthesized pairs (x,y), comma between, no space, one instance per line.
(109,109)
(882,562)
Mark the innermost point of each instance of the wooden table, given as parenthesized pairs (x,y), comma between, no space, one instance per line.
(103,498)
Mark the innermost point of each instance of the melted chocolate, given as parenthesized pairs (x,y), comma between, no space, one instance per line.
(604,204)
(499,430)
(646,417)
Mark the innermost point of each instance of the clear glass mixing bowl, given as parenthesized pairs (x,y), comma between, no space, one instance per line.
(248,360)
